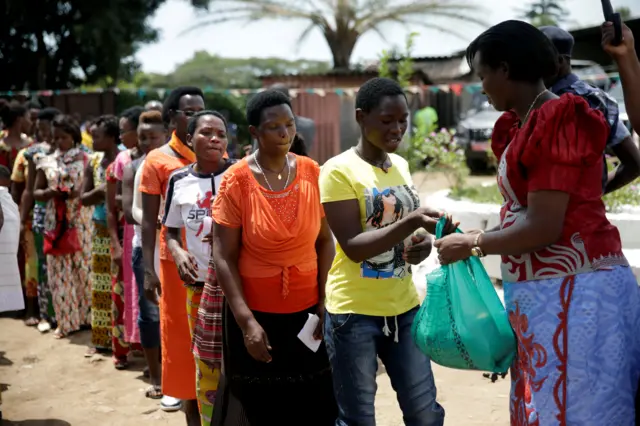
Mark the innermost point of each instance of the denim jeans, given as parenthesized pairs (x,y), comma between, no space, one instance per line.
(354,343)
(149,317)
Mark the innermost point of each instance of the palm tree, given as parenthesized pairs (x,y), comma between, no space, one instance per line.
(343,22)
(546,12)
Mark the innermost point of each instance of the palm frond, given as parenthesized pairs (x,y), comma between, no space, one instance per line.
(462,11)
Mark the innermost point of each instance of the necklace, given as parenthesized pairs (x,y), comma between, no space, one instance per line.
(531,106)
(373,163)
(255,158)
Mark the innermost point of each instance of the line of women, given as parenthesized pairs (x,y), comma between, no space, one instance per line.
(273,287)
(571,297)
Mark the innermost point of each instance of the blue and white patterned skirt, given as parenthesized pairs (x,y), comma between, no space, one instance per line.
(578,349)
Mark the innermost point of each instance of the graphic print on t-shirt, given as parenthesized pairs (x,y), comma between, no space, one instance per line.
(383,208)
(198,212)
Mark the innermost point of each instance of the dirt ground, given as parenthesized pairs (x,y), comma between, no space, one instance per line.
(48,382)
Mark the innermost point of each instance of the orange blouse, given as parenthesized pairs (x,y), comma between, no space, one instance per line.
(157,169)
(278,263)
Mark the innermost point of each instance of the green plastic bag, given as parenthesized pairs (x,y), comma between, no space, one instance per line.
(462,323)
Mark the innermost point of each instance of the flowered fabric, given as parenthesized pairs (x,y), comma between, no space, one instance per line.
(68,275)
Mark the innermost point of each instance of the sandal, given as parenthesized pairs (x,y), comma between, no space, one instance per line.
(31,322)
(58,334)
(153,392)
(93,351)
(121,364)
(44,327)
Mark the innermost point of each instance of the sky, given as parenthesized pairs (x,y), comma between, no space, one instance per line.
(278,38)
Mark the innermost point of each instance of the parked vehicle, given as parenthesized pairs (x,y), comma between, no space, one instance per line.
(474,130)
(473,133)
(617,94)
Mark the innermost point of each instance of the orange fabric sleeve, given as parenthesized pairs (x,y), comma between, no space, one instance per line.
(150,182)
(226,210)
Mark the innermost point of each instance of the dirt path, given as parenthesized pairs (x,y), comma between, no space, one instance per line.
(47,382)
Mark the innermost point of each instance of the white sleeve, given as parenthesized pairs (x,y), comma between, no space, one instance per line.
(172,215)
(136,209)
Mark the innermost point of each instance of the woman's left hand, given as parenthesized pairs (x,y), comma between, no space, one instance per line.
(419,249)
(318,333)
(454,247)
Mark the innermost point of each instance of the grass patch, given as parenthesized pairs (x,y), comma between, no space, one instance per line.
(489,194)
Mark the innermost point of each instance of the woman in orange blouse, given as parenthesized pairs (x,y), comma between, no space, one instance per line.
(178,365)
(272,249)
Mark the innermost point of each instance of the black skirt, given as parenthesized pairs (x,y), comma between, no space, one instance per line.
(295,388)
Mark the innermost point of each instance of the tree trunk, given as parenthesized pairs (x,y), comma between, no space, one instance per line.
(342,46)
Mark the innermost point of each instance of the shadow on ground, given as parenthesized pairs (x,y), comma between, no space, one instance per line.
(44,422)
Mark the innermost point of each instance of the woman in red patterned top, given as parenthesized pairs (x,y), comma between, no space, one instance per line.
(571,298)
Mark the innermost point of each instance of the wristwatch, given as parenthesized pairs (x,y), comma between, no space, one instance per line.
(476,250)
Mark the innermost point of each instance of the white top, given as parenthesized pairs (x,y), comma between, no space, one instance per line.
(136,209)
(136,212)
(11,298)
(188,206)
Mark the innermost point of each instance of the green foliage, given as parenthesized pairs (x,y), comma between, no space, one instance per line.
(629,196)
(343,22)
(207,70)
(56,45)
(442,155)
(545,12)
(625,12)
(398,65)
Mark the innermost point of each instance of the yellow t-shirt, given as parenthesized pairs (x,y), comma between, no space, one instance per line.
(382,285)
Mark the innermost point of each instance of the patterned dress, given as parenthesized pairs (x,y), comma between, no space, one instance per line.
(101,319)
(68,274)
(119,342)
(574,305)
(28,243)
(34,154)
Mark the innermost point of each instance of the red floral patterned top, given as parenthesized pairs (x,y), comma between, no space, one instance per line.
(560,148)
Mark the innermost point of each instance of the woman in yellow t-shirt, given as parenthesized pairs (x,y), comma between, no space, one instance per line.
(373,210)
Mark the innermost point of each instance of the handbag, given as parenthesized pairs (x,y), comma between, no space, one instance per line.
(63,239)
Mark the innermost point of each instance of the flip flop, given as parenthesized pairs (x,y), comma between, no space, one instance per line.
(153,392)
(31,322)
(121,364)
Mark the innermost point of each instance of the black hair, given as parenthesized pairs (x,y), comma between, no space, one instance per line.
(528,53)
(193,121)
(298,146)
(109,124)
(371,92)
(5,173)
(263,100)
(10,112)
(68,125)
(48,114)
(133,115)
(172,103)
(34,104)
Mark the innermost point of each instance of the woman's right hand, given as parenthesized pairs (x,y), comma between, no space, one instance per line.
(427,218)
(256,341)
(152,287)
(187,266)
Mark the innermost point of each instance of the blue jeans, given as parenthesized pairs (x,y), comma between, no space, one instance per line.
(149,317)
(354,342)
